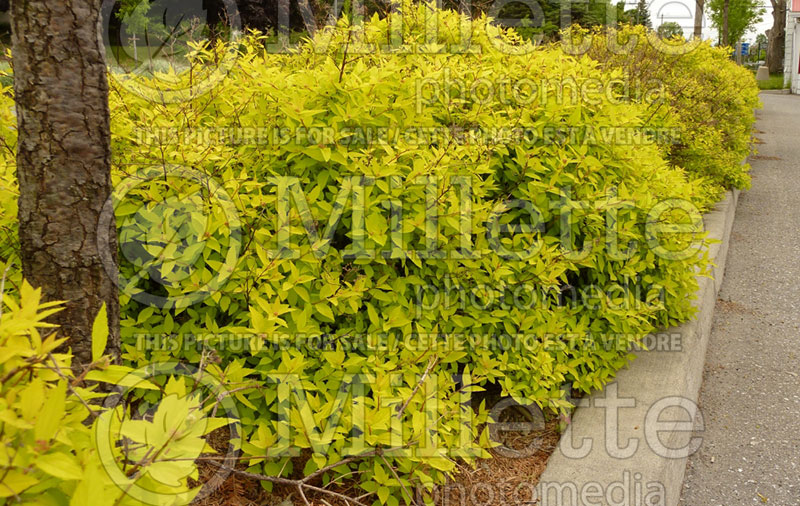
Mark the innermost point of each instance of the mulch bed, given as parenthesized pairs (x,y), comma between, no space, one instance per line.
(506,479)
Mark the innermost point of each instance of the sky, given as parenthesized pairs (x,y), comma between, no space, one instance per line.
(682,12)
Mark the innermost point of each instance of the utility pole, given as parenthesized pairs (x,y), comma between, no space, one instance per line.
(134,39)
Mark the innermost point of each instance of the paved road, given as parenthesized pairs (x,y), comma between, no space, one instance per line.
(750,398)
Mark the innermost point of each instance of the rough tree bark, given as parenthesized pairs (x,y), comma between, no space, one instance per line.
(63,162)
(776,37)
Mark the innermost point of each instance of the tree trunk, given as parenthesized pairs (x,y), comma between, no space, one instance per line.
(63,163)
(698,18)
(254,13)
(776,37)
(725,8)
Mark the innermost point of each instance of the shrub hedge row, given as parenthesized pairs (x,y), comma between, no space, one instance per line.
(707,99)
(369,246)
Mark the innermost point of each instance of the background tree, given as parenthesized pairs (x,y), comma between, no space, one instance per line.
(777,37)
(742,17)
(63,162)
(669,29)
(265,15)
(641,14)
(586,14)
(698,18)
(725,19)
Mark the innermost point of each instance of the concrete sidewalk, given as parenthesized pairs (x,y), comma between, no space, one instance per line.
(750,400)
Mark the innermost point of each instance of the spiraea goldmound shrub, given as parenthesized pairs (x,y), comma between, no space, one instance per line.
(705,95)
(64,445)
(365,235)
(411,227)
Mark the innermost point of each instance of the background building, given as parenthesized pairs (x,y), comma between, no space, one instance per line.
(791,66)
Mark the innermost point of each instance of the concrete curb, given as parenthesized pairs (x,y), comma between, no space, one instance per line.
(623,447)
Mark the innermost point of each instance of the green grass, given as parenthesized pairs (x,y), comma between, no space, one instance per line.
(775,82)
